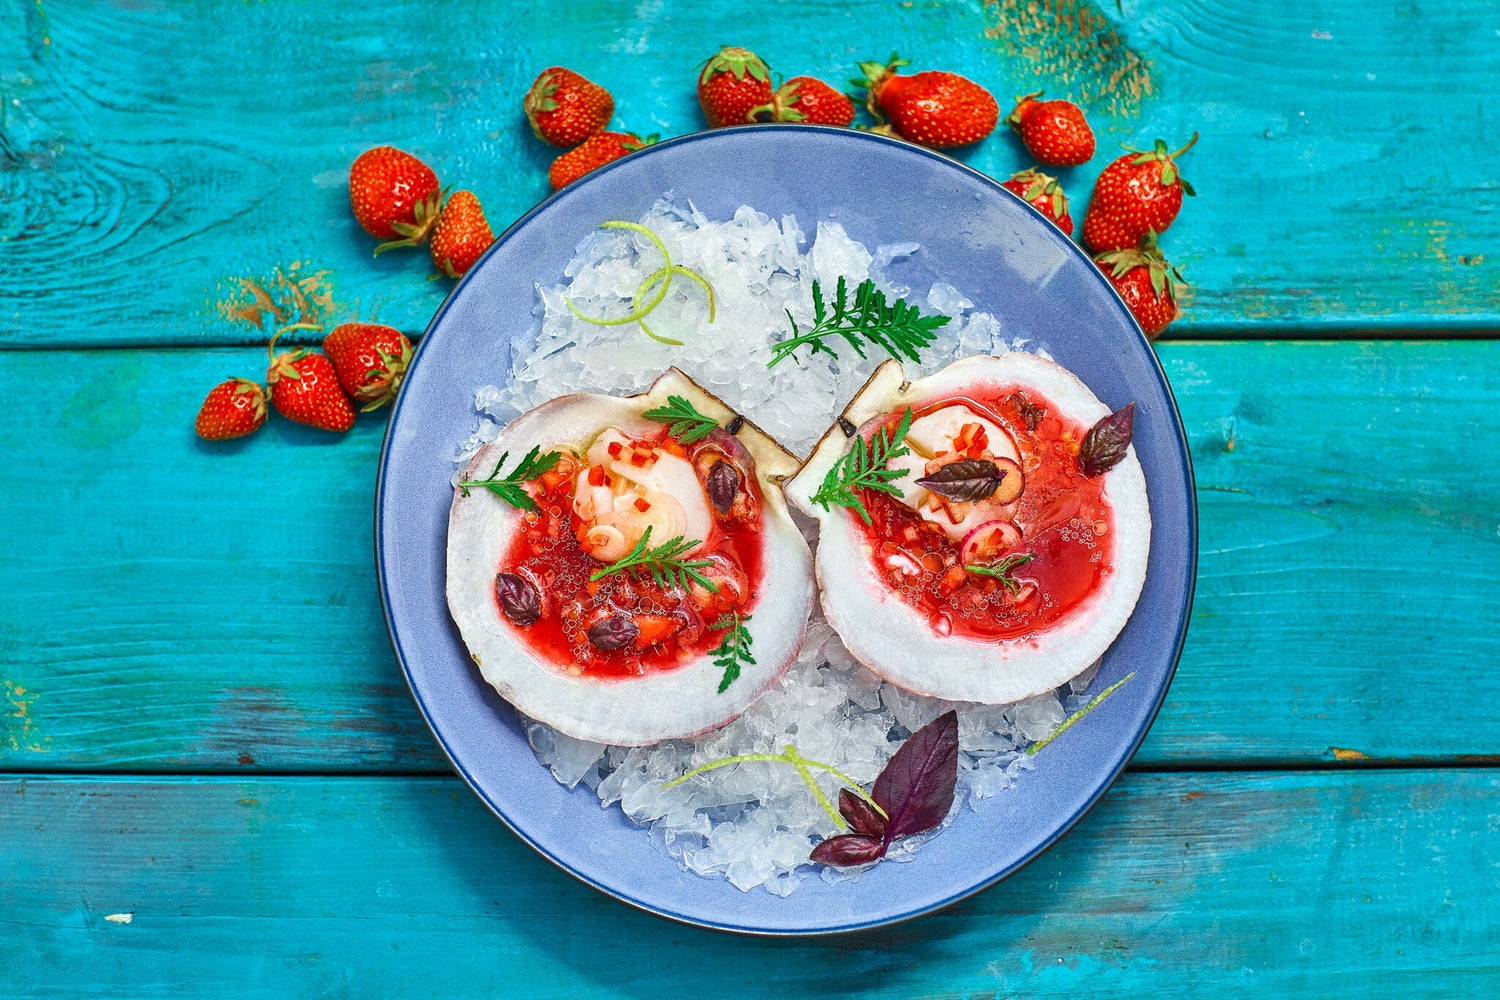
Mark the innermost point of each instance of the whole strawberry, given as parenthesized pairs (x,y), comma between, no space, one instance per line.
(733,81)
(461,235)
(305,388)
(394,195)
(1137,195)
(807,99)
(564,108)
(1146,282)
(370,360)
(1055,132)
(1044,193)
(935,108)
(233,409)
(596,151)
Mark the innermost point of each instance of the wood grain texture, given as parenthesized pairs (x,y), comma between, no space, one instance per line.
(165,603)
(1369,884)
(151,154)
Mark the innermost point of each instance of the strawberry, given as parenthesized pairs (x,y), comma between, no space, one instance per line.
(1054,132)
(1137,195)
(596,151)
(305,388)
(1146,282)
(1044,193)
(810,100)
(395,196)
(934,108)
(461,235)
(564,108)
(233,409)
(733,81)
(370,360)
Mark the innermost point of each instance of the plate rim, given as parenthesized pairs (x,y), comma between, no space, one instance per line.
(1182,453)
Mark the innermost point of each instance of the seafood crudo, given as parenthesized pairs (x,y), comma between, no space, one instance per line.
(636,576)
(965,550)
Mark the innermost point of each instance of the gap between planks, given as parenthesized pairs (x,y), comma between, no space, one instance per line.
(1461,762)
(1331,334)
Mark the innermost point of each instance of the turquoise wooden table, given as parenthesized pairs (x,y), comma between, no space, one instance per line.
(214,779)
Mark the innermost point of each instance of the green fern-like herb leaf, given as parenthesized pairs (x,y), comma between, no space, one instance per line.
(734,649)
(898,328)
(864,468)
(686,424)
(509,487)
(664,563)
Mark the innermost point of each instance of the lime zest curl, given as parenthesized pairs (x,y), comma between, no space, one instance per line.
(789,755)
(662,275)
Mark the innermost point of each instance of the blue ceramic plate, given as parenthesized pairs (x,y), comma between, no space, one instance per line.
(974,235)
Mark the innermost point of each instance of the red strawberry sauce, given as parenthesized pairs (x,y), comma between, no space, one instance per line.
(675,626)
(1066,524)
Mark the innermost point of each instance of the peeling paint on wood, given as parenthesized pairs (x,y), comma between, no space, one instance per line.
(1072,50)
(1320,206)
(1275,884)
(1295,646)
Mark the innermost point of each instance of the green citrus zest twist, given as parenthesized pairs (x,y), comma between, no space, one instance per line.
(638,310)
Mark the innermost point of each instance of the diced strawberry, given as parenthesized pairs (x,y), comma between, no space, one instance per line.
(953,578)
(655,628)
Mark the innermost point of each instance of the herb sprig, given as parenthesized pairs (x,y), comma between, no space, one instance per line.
(508,487)
(864,468)
(899,328)
(734,649)
(1002,571)
(687,424)
(803,765)
(664,563)
(1094,703)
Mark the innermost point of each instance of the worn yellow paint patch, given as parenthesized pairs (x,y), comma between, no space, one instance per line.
(1340,753)
(20,728)
(1072,51)
(295,294)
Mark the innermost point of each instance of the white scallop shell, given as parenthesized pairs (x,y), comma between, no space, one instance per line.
(626,711)
(895,640)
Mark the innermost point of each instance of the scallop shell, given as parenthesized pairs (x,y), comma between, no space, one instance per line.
(895,640)
(637,711)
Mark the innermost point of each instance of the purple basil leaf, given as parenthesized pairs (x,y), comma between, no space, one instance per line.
(1105,443)
(964,481)
(916,787)
(613,632)
(861,815)
(848,849)
(518,598)
(723,485)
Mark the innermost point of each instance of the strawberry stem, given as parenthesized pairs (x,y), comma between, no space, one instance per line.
(1184,149)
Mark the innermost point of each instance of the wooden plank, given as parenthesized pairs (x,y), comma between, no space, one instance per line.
(169,604)
(1286,884)
(154,153)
